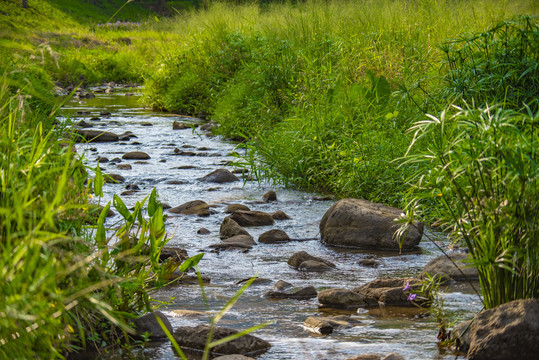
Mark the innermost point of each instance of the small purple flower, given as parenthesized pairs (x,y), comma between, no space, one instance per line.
(407,286)
(411,297)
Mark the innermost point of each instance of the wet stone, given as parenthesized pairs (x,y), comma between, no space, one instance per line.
(273,236)
(114,178)
(280,215)
(175,182)
(220,176)
(183,153)
(306,293)
(195,207)
(230,228)
(203,231)
(135,155)
(94,136)
(124,166)
(84,124)
(270,196)
(176,125)
(235,207)
(369,263)
(257,281)
(281,285)
(301,257)
(195,338)
(251,218)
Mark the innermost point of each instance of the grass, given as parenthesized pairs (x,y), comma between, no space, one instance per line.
(70,284)
(338,82)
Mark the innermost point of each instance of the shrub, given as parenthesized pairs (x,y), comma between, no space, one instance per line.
(499,65)
(484,175)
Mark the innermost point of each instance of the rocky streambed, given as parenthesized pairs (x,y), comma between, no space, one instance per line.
(300,294)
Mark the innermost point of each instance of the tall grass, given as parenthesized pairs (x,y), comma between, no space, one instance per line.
(322,91)
(68,283)
(484,174)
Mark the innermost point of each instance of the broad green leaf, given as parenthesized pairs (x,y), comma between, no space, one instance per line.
(190,262)
(100,236)
(152,203)
(122,209)
(98,181)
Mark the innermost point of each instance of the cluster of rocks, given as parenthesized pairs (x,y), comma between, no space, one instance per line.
(508,331)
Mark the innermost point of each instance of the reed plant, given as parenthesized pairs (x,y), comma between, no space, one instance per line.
(483,174)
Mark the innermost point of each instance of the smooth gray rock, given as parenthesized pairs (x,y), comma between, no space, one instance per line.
(85,135)
(280,215)
(135,155)
(220,176)
(301,256)
(251,218)
(306,293)
(195,207)
(273,236)
(231,228)
(235,207)
(361,224)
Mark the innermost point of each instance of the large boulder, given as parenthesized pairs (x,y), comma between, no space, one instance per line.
(456,267)
(361,224)
(251,218)
(508,331)
(195,207)
(148,324)
(194,338)
(231,228)
(220,176)
(85,135)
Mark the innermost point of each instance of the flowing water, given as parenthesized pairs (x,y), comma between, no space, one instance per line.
(407,331)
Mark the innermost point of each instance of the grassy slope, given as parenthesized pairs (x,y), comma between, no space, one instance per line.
(294,78)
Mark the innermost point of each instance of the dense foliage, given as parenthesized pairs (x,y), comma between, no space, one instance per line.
(322,93)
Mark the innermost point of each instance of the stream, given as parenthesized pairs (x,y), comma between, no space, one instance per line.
(410,332)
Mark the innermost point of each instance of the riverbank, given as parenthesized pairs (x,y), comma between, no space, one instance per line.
(322,94)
